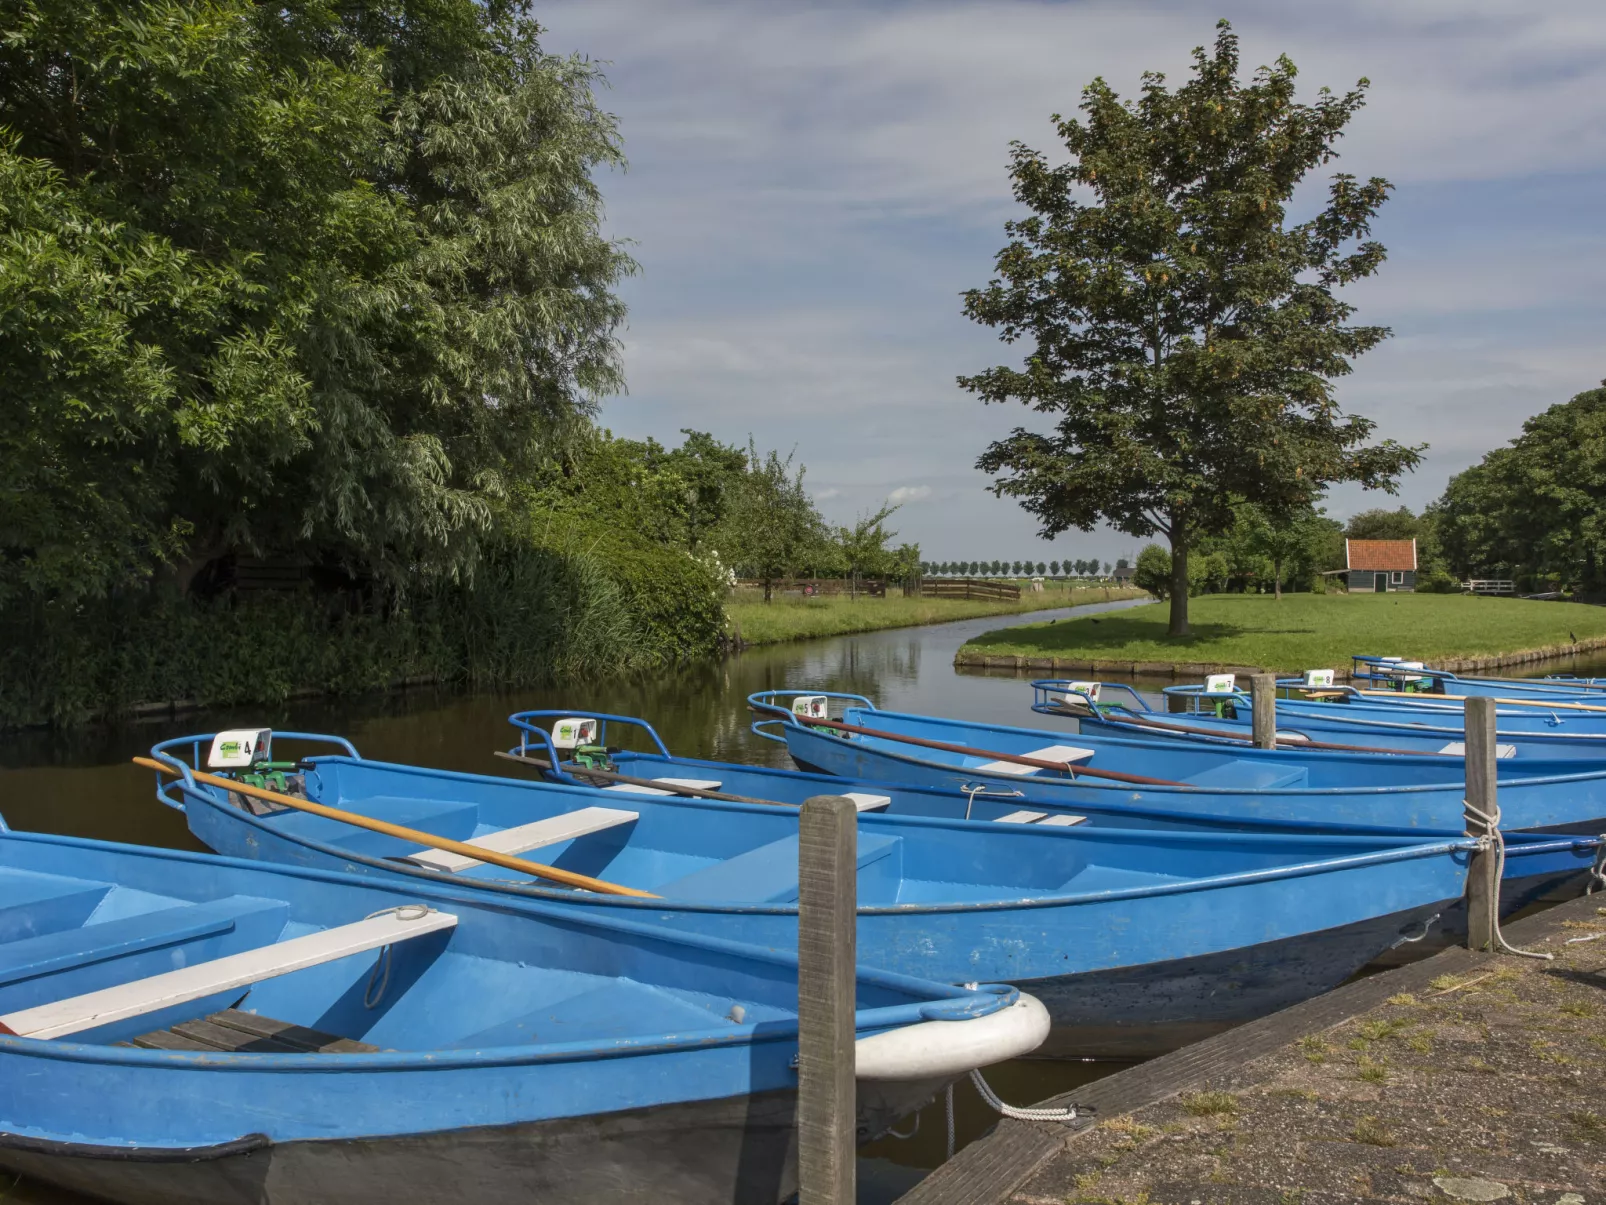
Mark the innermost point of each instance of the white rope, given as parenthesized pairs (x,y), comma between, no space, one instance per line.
(1493,839)
(372,997)
(1597,872)
(1066,1114)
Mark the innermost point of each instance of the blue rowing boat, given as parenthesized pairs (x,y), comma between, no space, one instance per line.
(1225,717)
(1135,941)
(1405,676)
(183,1028)
(1516,715)
(1350,791)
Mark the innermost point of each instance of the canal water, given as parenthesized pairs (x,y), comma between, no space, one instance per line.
(80,782)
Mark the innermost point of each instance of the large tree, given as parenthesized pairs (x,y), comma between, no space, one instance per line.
(1184,337)
(310,276)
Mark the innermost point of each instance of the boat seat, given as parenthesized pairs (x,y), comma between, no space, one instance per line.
(551,831)
(1059,753)
(1041,819)
(1246,775)
(70,949)
(696,784)
(1459,749)
(94,1009)
(866,802)
(767,873)
(246,1033)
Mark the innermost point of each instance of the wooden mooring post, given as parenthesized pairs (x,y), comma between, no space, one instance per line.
(1482,820)
(827,905)
(1263,716)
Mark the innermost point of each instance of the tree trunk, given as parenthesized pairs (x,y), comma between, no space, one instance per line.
(1277,580)
(767,589)
(1179,584)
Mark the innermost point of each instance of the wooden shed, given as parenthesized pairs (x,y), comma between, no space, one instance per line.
(1379,566)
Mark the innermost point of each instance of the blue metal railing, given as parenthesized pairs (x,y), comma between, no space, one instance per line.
(170,790)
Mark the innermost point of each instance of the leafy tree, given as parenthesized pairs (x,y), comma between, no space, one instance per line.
(1536,508)
(288,276)
(1283,538)
(1184,334)
(1380,524)
(1041,568)
(1122,563)
(1153,571)
(864,547)
(772,526)
(975,568)
(1054,568)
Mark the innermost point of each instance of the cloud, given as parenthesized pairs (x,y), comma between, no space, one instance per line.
(909,493)
(813,186)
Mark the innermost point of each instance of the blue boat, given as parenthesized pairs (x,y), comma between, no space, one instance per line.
(1225,717)
(1404,676)
(1349,791)
(1515,716)
(183,1028)
(1135,941)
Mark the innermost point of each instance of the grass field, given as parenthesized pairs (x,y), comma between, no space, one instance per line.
(1305,631)
(794,618)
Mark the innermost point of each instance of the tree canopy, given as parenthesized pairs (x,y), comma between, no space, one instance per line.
(1537,508)
(1182,335)
(287,276)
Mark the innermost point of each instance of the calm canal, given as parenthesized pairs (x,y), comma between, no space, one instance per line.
(80,782)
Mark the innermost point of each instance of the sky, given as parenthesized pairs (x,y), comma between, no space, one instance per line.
(811,186)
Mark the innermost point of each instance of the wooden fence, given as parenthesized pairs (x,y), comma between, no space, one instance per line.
(966,587)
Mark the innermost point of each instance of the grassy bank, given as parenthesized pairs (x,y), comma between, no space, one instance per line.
(1302,631)
(795,618)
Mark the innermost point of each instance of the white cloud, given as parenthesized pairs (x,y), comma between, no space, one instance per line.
(812,186)
(909,493)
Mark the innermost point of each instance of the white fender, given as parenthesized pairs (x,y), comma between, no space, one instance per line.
(935,1049)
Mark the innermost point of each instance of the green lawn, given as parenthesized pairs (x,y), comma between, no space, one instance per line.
(794,618)
(1304,631)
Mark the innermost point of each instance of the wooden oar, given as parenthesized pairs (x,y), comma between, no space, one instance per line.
(669,788)
(1461,699)
(967,751)
(534,869)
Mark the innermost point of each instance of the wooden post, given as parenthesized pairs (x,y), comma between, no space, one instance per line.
(1263,696)
(1483,883)
(827,903)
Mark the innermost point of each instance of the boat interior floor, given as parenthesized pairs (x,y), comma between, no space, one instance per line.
(246,1033)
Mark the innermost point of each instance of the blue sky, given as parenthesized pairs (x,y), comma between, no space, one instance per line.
(811,186)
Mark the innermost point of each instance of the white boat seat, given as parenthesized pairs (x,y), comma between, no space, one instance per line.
(1059,753)
(1021,817)
(94,1009)
(1041,819)
(1063,820)
(1459,749)
(551,831)
(696,784)
(866,802)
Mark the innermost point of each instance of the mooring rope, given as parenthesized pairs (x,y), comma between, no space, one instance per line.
(1067,1114)
(1492,839)
(1597,872)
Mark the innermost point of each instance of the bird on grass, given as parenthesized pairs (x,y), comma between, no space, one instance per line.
(1571,637)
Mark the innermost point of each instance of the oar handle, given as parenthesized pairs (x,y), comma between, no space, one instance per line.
(536,870)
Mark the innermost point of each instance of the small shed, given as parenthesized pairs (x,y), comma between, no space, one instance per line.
(1379,566)
(1123,575)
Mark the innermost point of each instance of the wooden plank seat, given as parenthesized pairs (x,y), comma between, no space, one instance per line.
(865,802)
(247,1033)
(1041,819)
(525,837)
(94,1009)
(1059,753)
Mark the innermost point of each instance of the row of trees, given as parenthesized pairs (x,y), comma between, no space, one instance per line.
(1535,510)
(1020,568)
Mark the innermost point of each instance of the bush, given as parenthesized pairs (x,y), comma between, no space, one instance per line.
(1437,581)
(1152,571)
(597,603)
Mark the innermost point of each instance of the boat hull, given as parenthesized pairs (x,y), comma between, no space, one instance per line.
(740,1150)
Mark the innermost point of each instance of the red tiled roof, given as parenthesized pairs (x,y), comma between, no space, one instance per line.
(1380,554)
